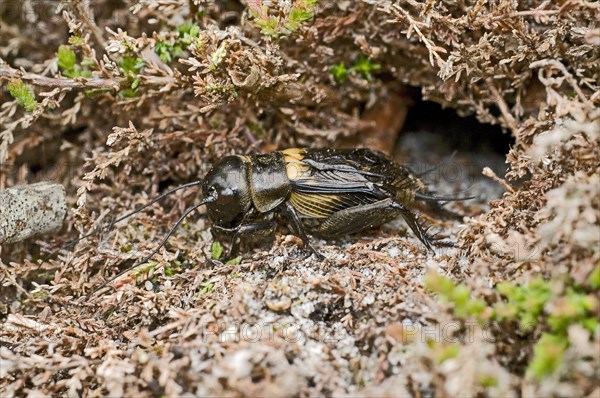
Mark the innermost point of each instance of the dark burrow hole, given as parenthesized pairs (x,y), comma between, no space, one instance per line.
(432,131)
(456,133)
(456,148)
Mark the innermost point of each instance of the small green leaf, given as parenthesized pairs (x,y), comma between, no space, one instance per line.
(131,66)
(365,67)
(443,352)
(547,356)
(76,41)
(234,261)
(218,56)
(144,268)
(188,28)
(66,58)
(135,83)
(488,381)
(590,324)
(594,278)
(339,72)
(23,93)
(216,250)
(88,62)
(164,50)
(207,287)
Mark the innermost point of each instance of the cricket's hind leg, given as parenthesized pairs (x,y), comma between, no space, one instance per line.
(413,223)
(357,218)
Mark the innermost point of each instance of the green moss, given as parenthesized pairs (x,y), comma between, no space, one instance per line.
(67,62)
(443,352)
(575,307)
(487,381)
(459,295)
(23,93)
(188,32)
(523,303)
(143,269)
(218,56)
(533,305)
(173,268)
(234,261)
(339,72)
(285,23)
(131,68)
(216,250)
(66,58)
(218,88)
(168,50)
(594,279)
(365,67)
(41,295)
(257,129)
(301,11)
(76,41)
(547,356)
(207,287)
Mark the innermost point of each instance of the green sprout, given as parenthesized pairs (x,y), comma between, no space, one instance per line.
(188,32)
(531,305)
(339,72)
(443,352)
(488,381)
(144,269)
(459,296)
(547,356)
(365,67)
(67,62)
(524,303)
(216,250)
(207,287)
(76,41)
(362,66)
(301,11)
(23,93)
(574,307)
(218,56)
(174,269)
(131,67)
(594,278)
(234,261)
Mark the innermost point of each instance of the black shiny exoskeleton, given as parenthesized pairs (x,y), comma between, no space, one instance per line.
(332,192)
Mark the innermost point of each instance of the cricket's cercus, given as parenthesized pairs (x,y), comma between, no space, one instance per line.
(329,192)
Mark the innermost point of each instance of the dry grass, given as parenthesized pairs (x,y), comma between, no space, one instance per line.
(150,101)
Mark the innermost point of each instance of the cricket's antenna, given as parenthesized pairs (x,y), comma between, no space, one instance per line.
(131,213)
(148,257)
(429,198)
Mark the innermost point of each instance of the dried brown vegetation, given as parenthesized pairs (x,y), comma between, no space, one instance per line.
(119,100)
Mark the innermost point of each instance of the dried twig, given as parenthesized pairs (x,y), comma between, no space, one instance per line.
(6,72)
